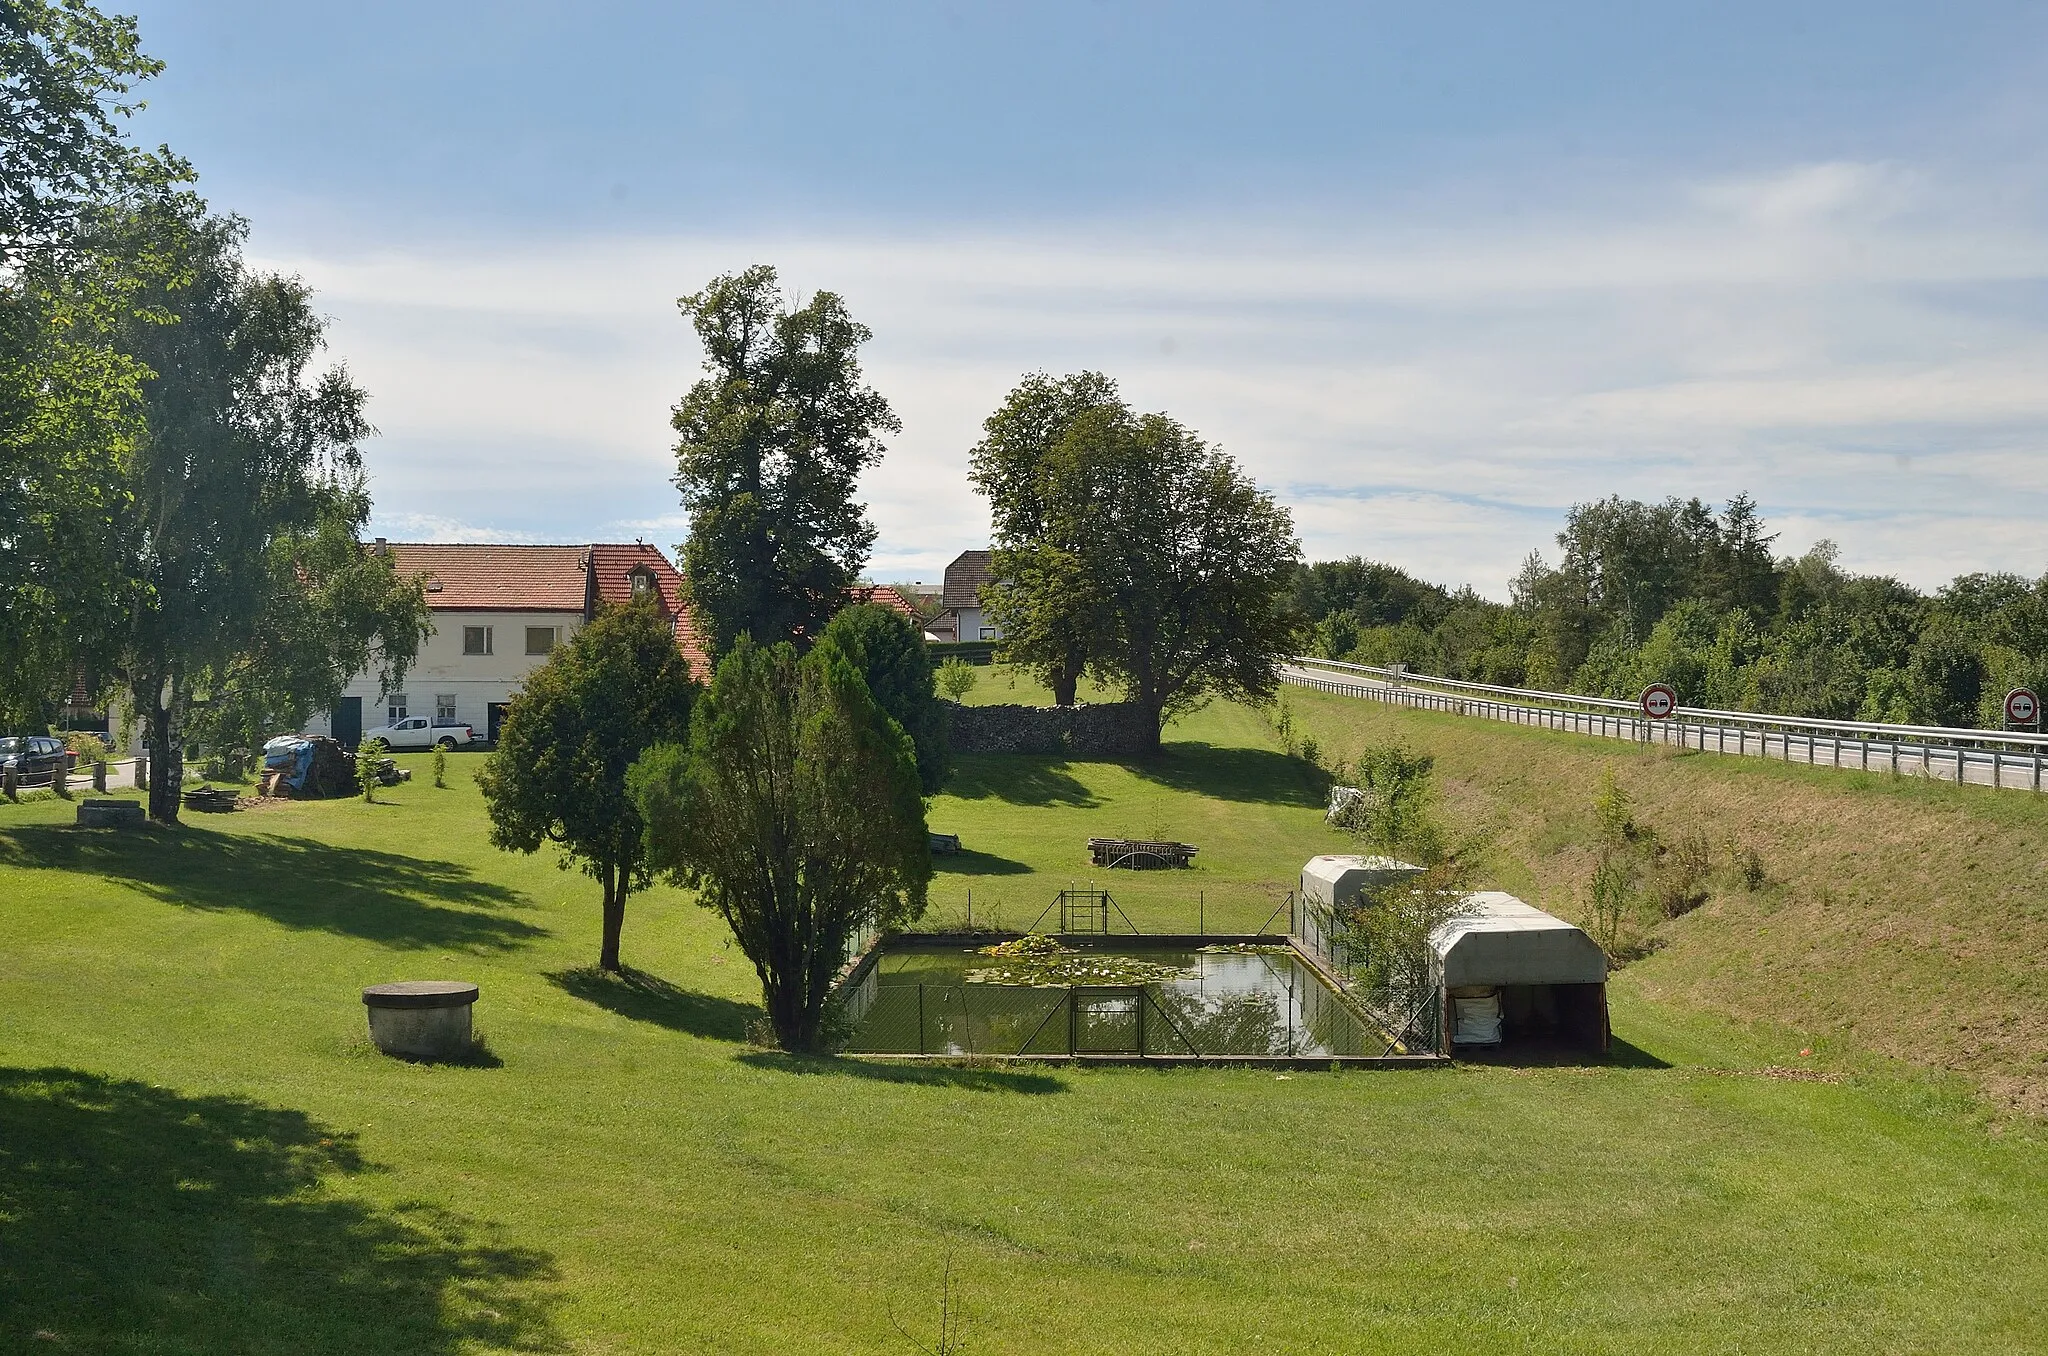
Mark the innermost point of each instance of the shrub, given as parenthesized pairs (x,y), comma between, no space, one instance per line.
(1611,899)
(440,766)
(1749,866)
(1394,813)
(957,679)
(1681,877)
(367,755)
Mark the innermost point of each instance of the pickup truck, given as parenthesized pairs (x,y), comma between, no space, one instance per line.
(421,732)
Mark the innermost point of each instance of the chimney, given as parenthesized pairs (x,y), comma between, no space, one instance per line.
(383,547)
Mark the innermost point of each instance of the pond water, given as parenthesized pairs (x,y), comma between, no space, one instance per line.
(920,1000)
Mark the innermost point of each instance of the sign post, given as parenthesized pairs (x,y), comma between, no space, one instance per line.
(2022,707)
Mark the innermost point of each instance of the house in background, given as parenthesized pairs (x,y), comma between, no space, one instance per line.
(961,616)
(885,595)
(498,613)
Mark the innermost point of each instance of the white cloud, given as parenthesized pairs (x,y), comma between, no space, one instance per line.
(427,527)
(1849,342)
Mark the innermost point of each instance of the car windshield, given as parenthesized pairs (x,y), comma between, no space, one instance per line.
(10,745)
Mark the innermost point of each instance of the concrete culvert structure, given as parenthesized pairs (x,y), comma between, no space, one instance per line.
(1333,881)
(1511,974)
(1335,878)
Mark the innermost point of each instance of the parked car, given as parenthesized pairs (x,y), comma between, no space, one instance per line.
(32,757)
(420,732)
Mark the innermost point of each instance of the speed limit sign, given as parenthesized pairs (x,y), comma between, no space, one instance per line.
(2022,707)
(1659,701)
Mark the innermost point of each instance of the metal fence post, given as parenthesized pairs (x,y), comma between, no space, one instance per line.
(920,1019)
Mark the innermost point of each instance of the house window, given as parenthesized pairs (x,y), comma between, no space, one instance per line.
(541,639)
(476,640)
(642,584)
(394,708)
(988,633)
(444,705)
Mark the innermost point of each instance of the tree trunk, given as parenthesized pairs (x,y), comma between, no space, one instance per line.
(166,760)
(1064,680)
(1154,720)
(614,918)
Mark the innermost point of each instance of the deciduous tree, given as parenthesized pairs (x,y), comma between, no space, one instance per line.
(619,687)
(795,812)
(1174,560)
(1046,630)
(243,501)
(774,439)
(70,399)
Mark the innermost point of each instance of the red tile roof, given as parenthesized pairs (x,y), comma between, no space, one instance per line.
(495,578)
(886,596)
(614,567)
(480,578)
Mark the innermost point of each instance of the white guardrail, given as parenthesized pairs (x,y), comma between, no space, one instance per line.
(1996,758)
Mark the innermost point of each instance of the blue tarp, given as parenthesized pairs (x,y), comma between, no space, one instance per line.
(295,754)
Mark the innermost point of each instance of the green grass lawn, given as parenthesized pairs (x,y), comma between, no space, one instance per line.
(199,1152)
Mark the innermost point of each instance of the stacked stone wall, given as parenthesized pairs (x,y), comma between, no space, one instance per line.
(1110,730)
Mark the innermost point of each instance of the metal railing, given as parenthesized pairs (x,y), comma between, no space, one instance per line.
(1995,758)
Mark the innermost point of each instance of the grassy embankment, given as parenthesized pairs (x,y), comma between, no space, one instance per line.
(212,1159)
(1898,917)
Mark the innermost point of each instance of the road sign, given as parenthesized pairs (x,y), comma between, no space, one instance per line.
(1659,701)
(2022,707)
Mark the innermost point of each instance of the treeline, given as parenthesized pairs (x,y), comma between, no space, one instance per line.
(1675,592)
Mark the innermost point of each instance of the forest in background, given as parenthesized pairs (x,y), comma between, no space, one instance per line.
(1675,592)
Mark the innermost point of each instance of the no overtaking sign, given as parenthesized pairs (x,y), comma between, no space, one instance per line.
(1659,701)
(2022,707)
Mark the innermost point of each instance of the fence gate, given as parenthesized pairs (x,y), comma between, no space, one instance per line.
(1085,911)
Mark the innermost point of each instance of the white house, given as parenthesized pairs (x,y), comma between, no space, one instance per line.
(962,617)
(498,612)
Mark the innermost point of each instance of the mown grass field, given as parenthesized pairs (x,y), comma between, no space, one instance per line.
(199,1152)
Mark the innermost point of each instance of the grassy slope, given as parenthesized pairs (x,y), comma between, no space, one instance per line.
(1902,916)
(221,1164)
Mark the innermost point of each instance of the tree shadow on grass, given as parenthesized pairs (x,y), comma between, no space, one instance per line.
(1263,776)
(642,997)
(966,862)
(295,882)
(967,1078)
(1019,778)
(140,1219)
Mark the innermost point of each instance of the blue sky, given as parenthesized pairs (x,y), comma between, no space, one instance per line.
(1432,273)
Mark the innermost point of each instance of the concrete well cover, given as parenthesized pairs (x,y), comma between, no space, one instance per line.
(420,993)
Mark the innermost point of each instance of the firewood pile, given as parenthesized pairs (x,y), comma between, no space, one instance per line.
(312,767)
(389,773)
(210,800)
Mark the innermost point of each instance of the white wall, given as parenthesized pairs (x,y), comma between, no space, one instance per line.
(475,681)
(972,620)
